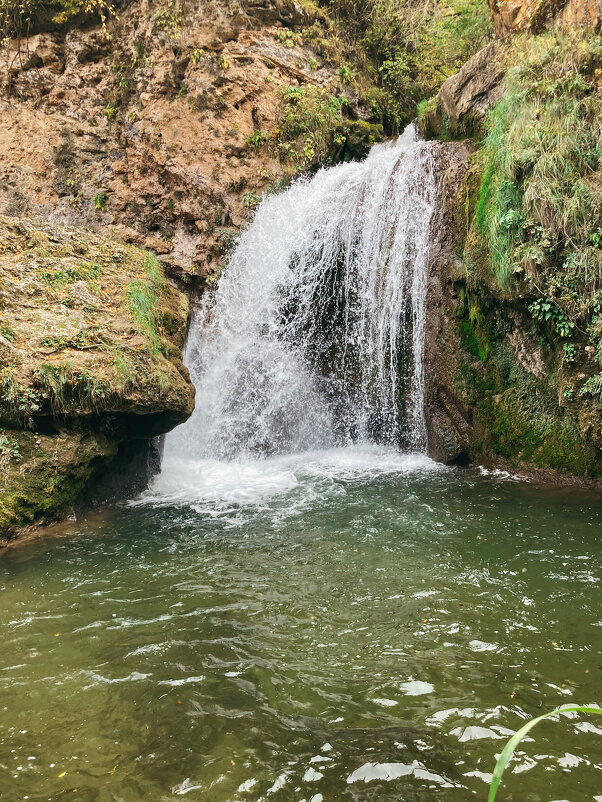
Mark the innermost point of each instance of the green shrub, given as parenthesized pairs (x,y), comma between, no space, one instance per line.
(409,47)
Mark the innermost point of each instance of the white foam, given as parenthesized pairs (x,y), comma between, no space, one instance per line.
(222,485)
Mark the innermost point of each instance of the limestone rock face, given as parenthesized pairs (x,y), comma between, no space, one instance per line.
(90,360)
(493,395)
(151,130)
(450,424)
(511,16)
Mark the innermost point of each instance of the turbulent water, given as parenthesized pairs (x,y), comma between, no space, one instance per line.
(315,337)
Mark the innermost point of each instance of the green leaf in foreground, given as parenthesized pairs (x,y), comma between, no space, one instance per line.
(508,750)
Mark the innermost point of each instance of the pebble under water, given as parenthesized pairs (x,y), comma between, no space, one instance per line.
(351,624)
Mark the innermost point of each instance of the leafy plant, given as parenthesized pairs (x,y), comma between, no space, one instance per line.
(345,74)
(592,387)
(508,750)
(547,311)
(258,138)
(569,352)
(100,201)
(8,333)
(309,121)
(17,399)
(9,449)
(287,37)
(251,200)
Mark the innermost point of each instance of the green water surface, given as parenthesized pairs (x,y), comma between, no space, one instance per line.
(356,637)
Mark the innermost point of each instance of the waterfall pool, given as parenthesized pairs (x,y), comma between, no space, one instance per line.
(349,624)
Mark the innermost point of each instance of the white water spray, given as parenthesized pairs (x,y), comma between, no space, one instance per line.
(315,335)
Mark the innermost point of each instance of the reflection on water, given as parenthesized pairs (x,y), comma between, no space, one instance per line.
(342,625)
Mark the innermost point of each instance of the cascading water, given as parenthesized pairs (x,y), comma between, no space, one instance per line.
(314,338)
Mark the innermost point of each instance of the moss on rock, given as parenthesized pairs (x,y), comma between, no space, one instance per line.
(90,355)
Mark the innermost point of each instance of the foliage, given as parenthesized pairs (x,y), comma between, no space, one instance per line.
(542,177)
(258,138)
(9,449)
(19,18)
(518,411)
(514,741)
(8,333)
(17,401)
(250,200)
(310,121)
(141,296)
(543,310)
(537,230)
(411,46)
(593,387)
(100,200)
(66,387)
(169,17)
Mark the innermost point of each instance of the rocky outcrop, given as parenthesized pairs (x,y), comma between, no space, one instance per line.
(167,130)
(90,362)
(498,392)
(464,99)
(512,16)
(449,422)
(160,131)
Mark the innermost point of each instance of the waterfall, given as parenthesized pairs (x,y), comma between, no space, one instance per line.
(314,337)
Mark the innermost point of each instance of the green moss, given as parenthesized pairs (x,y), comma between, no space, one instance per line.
(51,472)
(518,416)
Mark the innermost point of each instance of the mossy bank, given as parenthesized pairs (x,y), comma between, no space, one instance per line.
(522,309)
(90,362)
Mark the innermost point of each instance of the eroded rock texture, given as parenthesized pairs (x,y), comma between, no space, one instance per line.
(154,130)
(511,16)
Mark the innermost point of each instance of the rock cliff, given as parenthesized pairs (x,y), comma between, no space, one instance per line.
(514,344)
(159,130)
(511,16)
(160,127)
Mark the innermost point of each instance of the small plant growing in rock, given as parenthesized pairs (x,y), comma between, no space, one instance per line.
(250,200)
(569,352)
(110,112)
(100,201)
(258,138)
(547,312)
(196,54)
(8,333)
(220,105)
(288,38)
(345,74)
(9,449)
(569,392)
(592,387)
